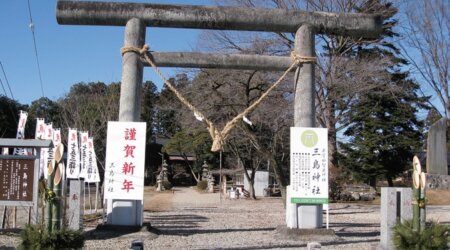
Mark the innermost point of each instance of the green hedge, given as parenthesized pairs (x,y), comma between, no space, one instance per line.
(37,237)
(167,185)
(433,236)
(202,185)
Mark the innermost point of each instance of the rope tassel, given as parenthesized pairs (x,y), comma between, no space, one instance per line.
(218,137)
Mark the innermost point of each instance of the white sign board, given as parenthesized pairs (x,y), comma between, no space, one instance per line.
(309,165)
(125,160)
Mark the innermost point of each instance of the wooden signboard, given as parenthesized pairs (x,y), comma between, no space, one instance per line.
(16,181)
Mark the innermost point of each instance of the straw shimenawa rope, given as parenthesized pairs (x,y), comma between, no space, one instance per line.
(219,137)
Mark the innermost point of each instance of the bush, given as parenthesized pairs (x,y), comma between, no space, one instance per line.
(335,190)
(167,185)
(433,236)
(37,237)
(202,185)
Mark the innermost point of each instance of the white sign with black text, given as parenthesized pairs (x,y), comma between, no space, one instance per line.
(309,165)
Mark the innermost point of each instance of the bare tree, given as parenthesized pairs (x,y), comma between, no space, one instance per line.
(342,74)
(426,46)
(221,94)
(89,107)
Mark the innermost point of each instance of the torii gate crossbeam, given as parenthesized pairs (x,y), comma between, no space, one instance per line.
(219,18)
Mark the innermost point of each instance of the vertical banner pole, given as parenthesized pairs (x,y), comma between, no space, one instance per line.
(96,196)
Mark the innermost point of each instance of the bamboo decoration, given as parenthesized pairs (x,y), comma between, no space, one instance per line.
(57,185)
(419,181)
(49,195)
(53,190)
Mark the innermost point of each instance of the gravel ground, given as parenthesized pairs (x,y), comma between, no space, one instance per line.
(202,221)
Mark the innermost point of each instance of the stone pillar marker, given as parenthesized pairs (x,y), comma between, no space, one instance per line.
(75,203)
(437,148)
(395,205)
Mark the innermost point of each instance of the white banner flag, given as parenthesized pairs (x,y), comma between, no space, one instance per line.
(56,137)
(40,131)
(40,128)
(83,153)
(48,152)
(95,167)
(91,169)
(21,132)
(73,155)
(56,142)
(125,159)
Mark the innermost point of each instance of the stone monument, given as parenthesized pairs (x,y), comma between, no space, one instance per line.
(162,177)
(211,183)
(395,206)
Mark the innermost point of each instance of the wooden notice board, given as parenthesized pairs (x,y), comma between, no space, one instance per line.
(16,181)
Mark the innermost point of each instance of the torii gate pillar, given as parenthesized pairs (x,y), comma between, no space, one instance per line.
(130,212)
(304,216)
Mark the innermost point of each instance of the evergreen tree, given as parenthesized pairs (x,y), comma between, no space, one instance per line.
(185,144)
(168,108)
(9,116)
(44,108)
(148,99)
(385,132)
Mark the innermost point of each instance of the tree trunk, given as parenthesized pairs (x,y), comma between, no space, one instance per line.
(190,168)
(252,190)
(280,176)
(251,181)
(373,182)
(333,167)
(390,181)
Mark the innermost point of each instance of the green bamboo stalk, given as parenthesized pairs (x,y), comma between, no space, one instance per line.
(56,205)
(416,193)
(57,187)
(423,201)
(48,194)
(416,210)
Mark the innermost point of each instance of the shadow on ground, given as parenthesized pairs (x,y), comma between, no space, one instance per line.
(105,231)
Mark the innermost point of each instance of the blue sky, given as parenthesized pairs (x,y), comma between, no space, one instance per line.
(69,54)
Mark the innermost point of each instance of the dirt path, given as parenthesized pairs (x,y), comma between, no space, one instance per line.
(157,201)
(177,198)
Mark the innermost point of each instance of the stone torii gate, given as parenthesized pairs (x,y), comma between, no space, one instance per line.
(137,16)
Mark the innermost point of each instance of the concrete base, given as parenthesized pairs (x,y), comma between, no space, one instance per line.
(302,216)
(310,216)
(125,212)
